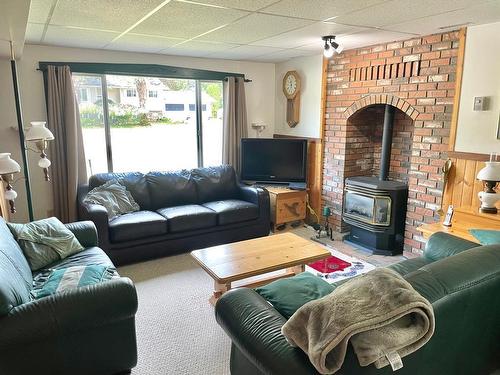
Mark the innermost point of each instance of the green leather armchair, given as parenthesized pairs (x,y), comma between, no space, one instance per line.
(89,330)
(460,279)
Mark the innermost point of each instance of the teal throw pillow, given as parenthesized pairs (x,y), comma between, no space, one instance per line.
(45,241)
(64,279)
(486,236)
(115,198)
(287,295)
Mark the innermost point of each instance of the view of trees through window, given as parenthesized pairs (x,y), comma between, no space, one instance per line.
(152,122)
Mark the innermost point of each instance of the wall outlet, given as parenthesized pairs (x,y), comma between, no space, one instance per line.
(481,103)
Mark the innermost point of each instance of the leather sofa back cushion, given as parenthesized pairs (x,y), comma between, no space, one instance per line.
(442,245)
(15,273)
(168,189)
(135,182)
(215,183)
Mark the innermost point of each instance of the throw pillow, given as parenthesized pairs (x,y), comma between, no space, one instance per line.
(64,279)
(45,241)
(486,236)
(287,295)
(114,197)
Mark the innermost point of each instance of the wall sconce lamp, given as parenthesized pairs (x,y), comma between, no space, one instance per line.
(331,46)
(490,175)
(7,169)
(40,135)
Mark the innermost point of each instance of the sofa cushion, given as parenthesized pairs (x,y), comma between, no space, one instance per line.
(15,273)
(137,225)
(91,255)
(188,217)
(168,189)
(233,211)
(287,295)
(215,183)
(409,265)
(135,182)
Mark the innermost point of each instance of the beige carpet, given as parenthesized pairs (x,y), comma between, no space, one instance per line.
(176,329)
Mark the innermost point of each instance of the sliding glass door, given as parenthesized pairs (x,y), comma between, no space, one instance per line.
(134,123)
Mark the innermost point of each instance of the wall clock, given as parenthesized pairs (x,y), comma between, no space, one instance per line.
(291,89)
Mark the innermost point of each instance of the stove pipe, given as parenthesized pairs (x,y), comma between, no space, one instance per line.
(385,157)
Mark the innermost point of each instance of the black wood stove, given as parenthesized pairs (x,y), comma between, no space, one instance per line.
(375,207)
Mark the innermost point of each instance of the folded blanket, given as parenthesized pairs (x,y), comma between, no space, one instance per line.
(380,312)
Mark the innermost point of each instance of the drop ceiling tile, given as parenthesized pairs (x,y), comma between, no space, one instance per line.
(142,43)
(74,37)
(398,11)
(283,55)
(115,15)
(318,9)
(307,35)
(39,10)
(245,52)
(34,32)
(205,46)
(255,27)
(483,13)
(251,5)
(186,20)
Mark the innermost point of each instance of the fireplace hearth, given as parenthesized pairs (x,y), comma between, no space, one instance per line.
(375,207)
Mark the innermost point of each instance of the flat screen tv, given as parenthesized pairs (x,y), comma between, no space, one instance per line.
(273,160)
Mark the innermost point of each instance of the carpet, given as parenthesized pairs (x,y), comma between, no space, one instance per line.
(176,329)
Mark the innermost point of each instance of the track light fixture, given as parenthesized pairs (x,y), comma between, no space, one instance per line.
(331,46)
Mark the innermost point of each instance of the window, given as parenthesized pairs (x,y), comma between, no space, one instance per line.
(82,95)
(153,93)
(160,133)
(174,107)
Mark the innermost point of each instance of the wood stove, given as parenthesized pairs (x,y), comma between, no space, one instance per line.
(375,207)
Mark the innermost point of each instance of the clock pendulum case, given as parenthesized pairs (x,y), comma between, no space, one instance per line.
(291,89)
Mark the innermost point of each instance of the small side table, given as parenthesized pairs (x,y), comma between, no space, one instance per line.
(287,206)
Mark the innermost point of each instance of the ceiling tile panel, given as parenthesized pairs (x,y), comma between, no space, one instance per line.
(142,43)
(115,15)
(255,27)
(186,20)
(397,11)
(483,13)
(318,9)
(34,32)
(251,5)
(73,37)
(39,10)
(307,35)
(283,55)
(246,52)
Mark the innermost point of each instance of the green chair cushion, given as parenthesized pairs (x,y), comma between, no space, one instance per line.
(287,295)
(486,236)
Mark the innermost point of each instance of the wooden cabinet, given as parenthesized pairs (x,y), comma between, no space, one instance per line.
(287,206)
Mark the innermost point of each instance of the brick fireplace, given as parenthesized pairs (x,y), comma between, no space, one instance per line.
(415,76)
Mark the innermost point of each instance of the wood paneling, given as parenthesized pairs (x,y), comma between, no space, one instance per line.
(462,187)
(4,210)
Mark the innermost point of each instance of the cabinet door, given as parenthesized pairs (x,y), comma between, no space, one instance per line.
(290,209)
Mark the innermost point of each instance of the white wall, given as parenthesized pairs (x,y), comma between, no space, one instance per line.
(310,71)
(260,95)
(476,130)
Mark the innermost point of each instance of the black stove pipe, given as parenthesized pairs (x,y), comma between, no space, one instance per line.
(385,157)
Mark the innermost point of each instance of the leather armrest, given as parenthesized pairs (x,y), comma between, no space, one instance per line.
(99,216)
(258,196)
(442,245)
(85,232)
(78,310)
(254,326)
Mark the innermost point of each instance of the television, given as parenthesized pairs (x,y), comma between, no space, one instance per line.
(278,160)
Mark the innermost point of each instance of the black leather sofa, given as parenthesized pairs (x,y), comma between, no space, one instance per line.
(88,330)
(179,211)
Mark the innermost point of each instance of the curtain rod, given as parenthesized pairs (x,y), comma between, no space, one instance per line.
(246,80)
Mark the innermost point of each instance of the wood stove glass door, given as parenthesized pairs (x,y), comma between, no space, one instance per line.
(370,209)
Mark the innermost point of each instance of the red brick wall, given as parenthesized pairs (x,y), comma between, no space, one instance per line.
(418,77)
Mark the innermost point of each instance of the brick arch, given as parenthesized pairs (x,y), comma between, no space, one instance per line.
(395,101)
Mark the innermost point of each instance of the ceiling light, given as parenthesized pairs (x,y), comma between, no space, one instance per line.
(331,46)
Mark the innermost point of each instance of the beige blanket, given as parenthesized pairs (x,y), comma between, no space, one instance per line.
(379,312)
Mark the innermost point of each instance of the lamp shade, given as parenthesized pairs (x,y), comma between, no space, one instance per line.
(7,165)
(39,132)
(491,172)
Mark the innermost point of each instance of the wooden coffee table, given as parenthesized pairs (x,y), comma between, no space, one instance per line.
(240,260)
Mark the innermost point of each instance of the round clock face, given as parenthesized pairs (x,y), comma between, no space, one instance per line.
(290,84)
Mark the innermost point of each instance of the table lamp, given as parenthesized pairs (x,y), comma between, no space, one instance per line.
(7,168)
(490,175)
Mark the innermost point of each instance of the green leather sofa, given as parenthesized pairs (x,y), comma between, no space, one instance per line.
(87,331)
(459,278)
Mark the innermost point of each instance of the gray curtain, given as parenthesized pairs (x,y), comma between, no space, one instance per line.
(67,154)
(235,121)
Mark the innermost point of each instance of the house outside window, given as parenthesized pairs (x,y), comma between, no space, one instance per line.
(131,93)
(83,95)
(174,107)
(192,107)
(153,93)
